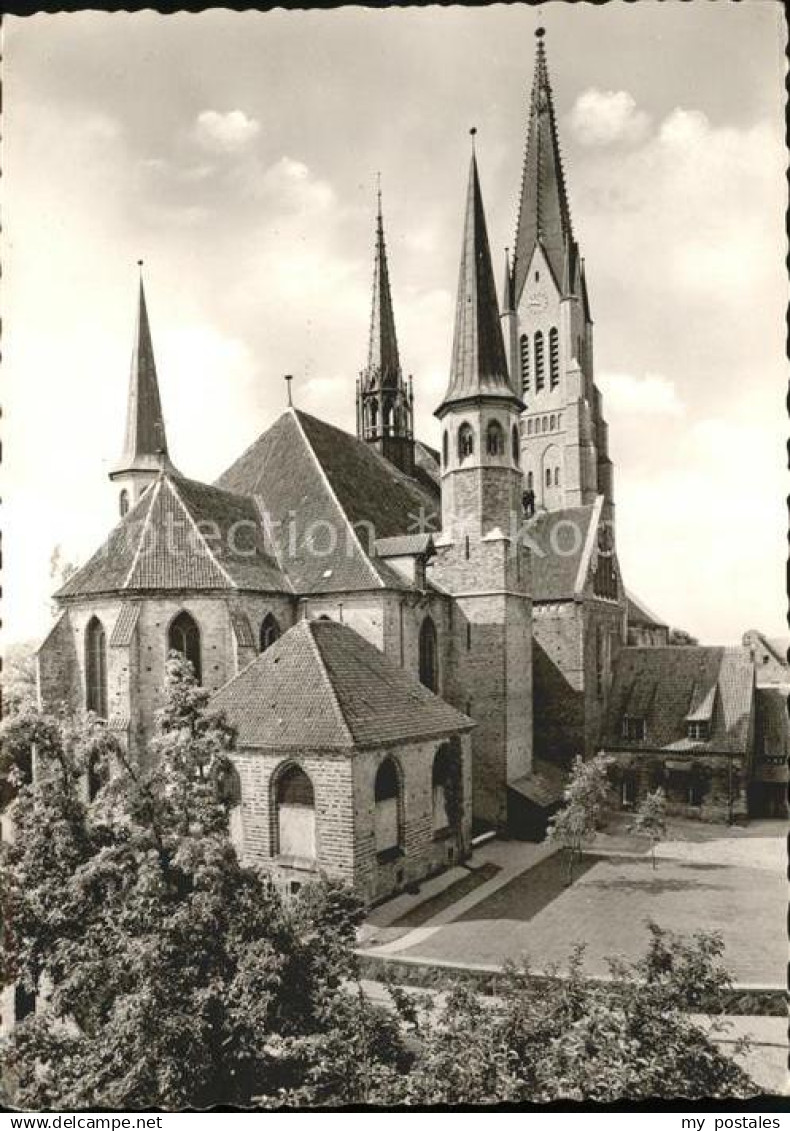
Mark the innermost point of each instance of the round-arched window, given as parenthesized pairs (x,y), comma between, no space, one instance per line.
(495,439)
(466,442)
(295,807)
(386,797)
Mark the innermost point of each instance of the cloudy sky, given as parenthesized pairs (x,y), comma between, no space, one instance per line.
(236,154)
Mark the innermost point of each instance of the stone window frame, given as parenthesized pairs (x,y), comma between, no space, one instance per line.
(495,438)
(96,687)
(398,850)
(465,441)
(187,617)
(282,769)
(269,625)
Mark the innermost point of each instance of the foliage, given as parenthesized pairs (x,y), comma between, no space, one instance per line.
(650,819)
(572,1039)
(168,975)
(679,636)
(19,678)
(585,795)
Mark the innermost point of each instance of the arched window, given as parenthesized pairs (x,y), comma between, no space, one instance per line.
(445,449)
(229,792)
(123,502)
(524,363)
(270,631)
(184,637)
(295,809)
(530,481)
(387,418)
(446,786)
(553,423)
(540,377)
(429,675)
(548,477)
(515,444)
(374,414)
(386,795)
(529,427)
(556,477)
(495,439)
(96,668)
(554,357)
(466,442)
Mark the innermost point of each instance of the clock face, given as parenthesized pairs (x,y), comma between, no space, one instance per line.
(537,301)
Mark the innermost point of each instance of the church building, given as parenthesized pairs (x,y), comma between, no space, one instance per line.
(413,645)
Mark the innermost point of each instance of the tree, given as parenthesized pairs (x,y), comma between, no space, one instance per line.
(578,819)
(679,637)
(650,819)
(168,975)
(19,677)
(545,1040)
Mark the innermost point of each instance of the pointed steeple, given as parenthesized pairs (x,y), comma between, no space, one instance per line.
(478,368)
(385,403)
(383,369)
(544,216)
(508,297)
(145,442)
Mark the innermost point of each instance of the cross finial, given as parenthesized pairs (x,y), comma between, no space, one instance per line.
(288,380)
(473,134)
(140,265)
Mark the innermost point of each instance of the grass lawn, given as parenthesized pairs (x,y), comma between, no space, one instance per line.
(719,884)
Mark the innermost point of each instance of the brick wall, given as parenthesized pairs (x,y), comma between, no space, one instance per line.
(343,786)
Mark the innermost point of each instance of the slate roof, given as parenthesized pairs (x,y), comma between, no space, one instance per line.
(544,214)
(478,367)
(670,686)
(182,535)
(322,686)
(560,550)
(306,468)
(404,545)
(383,369)
(145,437)
(638,613)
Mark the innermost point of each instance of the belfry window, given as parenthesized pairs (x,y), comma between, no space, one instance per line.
(295,810)
(386,797)
(445,449)
(554,357)
(553,423)
(495,439)
(556,477)
(429,672)
(184,637)
(515,444)
(540,376)
(96,668)
(123,502)
(548,477)
(270,631)
(524,344)
(529,427)
(466,442)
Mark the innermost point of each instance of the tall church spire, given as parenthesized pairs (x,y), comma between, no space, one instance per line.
(385,404)
(383,361)
(145,442)
(479,366)
(544,216)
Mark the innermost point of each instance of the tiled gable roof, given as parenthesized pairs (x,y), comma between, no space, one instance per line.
(323,686)
(671,686)
(561,537)
(638,613)
(182,535)
(308,473)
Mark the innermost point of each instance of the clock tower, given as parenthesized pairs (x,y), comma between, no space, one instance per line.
(548,328)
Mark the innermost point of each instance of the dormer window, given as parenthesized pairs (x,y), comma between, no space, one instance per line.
(633,728)
(698,730)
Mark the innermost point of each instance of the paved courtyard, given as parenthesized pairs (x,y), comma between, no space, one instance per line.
(731,880)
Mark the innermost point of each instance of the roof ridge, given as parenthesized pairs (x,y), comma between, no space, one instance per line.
(197,530)
(258,503)
(325,478)
(154,495)
(327,679)
(586,555)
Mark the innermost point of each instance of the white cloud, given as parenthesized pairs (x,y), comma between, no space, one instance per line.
(651,395)
(229,131)
(602,117)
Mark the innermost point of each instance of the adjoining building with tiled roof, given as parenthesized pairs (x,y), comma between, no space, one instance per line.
(770,655)
(327,726)
(644,627)
(684,718)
